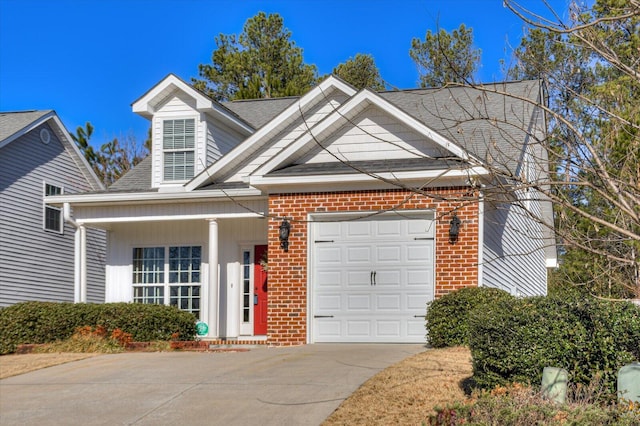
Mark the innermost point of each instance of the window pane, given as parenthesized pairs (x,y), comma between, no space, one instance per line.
(183,266)
(148,265)
(178,141)
(186,298)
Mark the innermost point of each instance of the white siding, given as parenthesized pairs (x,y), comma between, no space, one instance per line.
(372,135)
(36,264)
(288,135)
(177,106)
(513,251)
(220,139)
(166,211)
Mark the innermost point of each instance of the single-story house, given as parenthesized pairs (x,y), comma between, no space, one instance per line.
(37,246)
(330,217)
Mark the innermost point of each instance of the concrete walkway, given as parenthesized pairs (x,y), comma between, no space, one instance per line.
(299,385)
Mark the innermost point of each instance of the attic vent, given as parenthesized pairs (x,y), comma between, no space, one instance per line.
(45,136)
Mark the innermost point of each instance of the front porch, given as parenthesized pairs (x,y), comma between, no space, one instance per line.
(205,263)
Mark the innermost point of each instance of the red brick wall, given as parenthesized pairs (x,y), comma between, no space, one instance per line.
(456,264)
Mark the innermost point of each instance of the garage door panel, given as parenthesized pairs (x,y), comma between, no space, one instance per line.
(388,328)
(416,329)
(329,278)
(377,287)
(329,231)
(358,302)
(417,302)
(418,277)
(329,302)
(389,253)
(358,254)
(357,328)
(420,228)
(419,252)
(328,254)
(358,229)
(386,279)
(389,228)
(329,330)
(387,302)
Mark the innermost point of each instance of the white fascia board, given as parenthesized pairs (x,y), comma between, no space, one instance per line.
(143,105)
(336,180)
(257,137)
(136,197)
(342,114)
(162,218)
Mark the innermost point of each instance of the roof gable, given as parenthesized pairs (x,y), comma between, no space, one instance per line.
(16,124)
(155,97)
(252,145)
(369,128)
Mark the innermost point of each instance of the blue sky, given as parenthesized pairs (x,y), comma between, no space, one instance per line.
(89,60)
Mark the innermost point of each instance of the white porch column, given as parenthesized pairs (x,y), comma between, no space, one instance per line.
(80,265)
(214,281)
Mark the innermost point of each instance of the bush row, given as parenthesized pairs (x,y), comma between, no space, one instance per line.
(44,322)
(513,340)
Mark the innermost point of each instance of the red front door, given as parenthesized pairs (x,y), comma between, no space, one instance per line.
(259,292)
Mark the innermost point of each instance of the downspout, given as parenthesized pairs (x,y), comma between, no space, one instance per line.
(80,257)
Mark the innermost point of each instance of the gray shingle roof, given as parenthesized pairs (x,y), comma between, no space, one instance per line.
(488,124)
(259,112)
(137,179)
(485,122)
(12,122)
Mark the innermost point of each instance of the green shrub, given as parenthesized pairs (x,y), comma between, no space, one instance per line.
(44,322)
(447,317)
(516,339)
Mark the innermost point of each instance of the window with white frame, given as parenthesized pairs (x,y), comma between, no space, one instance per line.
(178,145)
(168,275)
(52,220)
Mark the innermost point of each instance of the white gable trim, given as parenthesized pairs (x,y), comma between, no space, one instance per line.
(144,197)
(349,181)
(145,107)
(354,105)
(255,140)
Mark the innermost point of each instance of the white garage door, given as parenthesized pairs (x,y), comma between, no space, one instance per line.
(371,279)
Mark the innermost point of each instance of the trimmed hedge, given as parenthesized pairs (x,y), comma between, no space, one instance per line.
(44,322)
(517,338)
(447,317)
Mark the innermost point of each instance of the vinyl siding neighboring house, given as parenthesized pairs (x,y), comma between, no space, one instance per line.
(37,263)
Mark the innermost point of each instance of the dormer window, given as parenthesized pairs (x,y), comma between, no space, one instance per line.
(178,146)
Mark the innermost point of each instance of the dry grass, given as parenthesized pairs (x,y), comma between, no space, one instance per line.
(12,365)
(406,393)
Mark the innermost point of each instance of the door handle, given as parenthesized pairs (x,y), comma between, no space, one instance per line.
(371,278)
(374,277)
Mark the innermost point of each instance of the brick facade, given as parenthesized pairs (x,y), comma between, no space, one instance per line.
(456,264)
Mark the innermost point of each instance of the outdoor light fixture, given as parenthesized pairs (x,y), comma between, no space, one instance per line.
(454,229)
(285,228)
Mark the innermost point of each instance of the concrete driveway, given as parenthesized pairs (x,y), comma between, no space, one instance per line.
(299,385)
